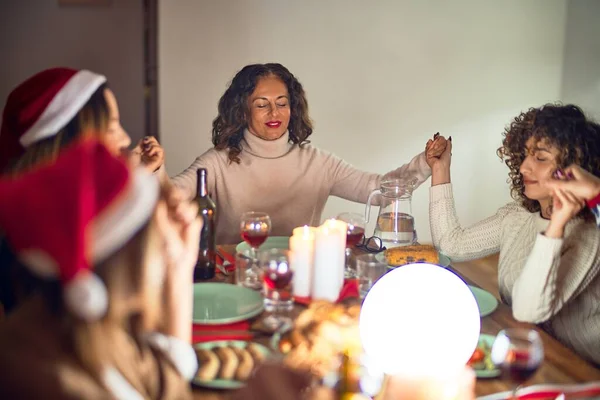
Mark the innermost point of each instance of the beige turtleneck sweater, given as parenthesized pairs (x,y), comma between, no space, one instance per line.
(553,282)
(289,182)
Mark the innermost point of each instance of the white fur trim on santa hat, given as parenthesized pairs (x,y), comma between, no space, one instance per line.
(180,353)
(40,262)
(86,296)
(64,106)
(113,228)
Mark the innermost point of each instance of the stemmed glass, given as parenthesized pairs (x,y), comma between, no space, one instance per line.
(277,279)
(354,235)
(255,228)
(518,353)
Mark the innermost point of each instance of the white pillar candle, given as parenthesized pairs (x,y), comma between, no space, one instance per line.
(301,258)
(329,263)
(341,228)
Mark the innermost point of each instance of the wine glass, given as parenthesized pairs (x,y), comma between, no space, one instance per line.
(255,228)
(277,280)
(518,353)
(354,235)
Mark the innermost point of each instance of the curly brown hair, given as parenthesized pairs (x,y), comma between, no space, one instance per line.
(562,126)
(229,125)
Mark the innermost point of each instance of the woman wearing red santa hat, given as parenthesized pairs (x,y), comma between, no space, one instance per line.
(43,115)
(114,259)
(52,108)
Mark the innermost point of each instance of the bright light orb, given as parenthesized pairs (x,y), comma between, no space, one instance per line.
(420,320)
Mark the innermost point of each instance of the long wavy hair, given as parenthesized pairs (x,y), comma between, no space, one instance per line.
(562,126)
(234,113)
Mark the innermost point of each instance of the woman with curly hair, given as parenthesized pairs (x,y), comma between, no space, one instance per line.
(262,159)
(549,263)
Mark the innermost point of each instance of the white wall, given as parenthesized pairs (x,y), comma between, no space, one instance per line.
(38,34)
(381,78)
(581,65)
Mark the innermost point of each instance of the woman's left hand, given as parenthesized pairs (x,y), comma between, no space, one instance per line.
(152,155)
(565,206)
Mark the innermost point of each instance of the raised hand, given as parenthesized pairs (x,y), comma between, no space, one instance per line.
(565,206)
(151,154)
(179,227)
(576,181)
(438,151)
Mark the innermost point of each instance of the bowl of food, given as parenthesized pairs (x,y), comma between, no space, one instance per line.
(320,336)
(481,360)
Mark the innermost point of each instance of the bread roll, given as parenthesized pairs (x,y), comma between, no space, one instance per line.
(256,353)
(208,365)
(229,362)
(246,364)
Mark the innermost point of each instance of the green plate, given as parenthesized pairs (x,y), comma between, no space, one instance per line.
(487,341)
(273,242)
(225,383)
(223,303)
(486,302)
(444,260)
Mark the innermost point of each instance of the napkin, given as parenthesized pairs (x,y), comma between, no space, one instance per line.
(585,391)
(235,331)
(349,290)
(225,257)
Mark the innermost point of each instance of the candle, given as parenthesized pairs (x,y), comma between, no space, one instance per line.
(341,228)
(328,273)
(301,258)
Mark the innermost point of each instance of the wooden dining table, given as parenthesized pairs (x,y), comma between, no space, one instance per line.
(561,365)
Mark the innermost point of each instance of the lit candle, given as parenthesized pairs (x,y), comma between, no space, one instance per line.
(328,273)
(301,258)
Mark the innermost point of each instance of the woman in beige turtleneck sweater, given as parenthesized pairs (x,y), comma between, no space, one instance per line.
(262,160)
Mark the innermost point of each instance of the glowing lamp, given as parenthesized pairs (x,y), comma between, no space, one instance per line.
(420,320)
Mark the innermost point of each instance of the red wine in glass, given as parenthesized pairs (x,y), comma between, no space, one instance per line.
(355,236)
(518,352)
(255,239)
(255,228)
(278,278)
(518,367)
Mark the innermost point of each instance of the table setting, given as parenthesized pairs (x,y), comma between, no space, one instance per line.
(285,298)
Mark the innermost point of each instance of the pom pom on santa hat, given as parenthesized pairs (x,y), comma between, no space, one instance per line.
(41,106)
(91,205)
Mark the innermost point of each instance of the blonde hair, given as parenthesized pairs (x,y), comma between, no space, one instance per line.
(93,117)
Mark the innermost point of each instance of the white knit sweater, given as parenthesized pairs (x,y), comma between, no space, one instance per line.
(553,282)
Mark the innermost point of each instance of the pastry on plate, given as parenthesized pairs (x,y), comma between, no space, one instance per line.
(397,256)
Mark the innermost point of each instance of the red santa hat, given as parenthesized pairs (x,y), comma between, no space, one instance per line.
(41,106)
(63,218)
